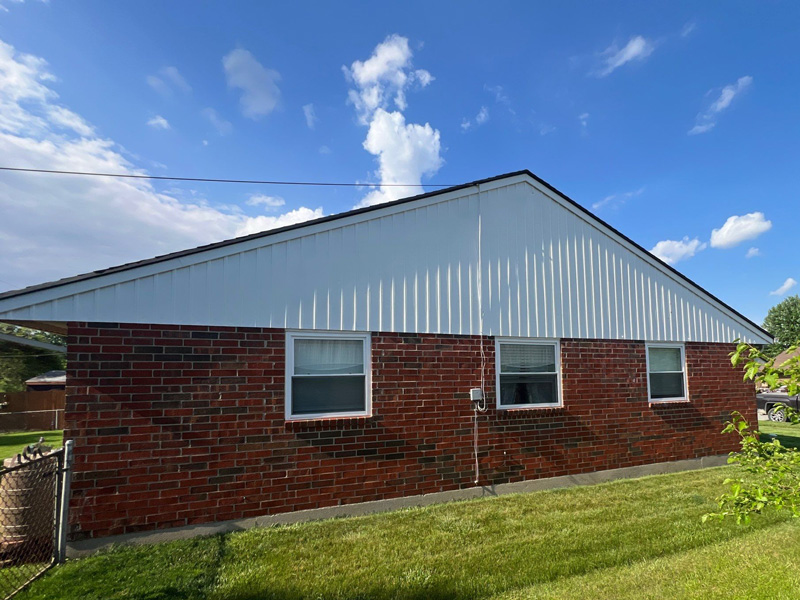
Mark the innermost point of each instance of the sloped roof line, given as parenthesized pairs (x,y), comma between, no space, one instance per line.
(358,211)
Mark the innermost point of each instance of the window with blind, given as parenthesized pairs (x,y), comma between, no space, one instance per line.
(666,375)
(327,375)
(527,374)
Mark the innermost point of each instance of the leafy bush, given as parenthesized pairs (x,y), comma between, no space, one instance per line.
(772,471)
(773,474)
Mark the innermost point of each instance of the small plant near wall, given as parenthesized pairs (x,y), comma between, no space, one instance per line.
(772,471)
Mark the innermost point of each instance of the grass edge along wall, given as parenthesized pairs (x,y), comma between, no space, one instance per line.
(178,425)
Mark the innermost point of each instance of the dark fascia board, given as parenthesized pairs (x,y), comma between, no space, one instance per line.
(359,211)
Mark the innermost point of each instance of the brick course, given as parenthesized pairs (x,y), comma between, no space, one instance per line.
(177,425)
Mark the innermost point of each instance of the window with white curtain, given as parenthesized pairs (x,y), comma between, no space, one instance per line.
(527,374)
(327,375)
(666,373)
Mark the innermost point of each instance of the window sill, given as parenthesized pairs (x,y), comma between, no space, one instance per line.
(528,407)
(672,401)
(338,422)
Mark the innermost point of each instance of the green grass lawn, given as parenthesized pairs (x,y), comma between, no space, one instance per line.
(627,539)
(14,443)
(788,434)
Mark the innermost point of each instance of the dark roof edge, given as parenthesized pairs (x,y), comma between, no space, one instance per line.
(358,211)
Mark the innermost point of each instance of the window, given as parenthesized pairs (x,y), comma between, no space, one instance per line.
(666,377)
(527,374)
(327,375)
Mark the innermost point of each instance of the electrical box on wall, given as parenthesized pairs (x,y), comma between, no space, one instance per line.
(476,394)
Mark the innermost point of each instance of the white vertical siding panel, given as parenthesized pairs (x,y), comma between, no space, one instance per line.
(211,275)
(532,245)
(144,299)
(64,305)
(619,290)
(556,273)
(198,284)
(567,270)
(86,303)
(578,288)
(180,290)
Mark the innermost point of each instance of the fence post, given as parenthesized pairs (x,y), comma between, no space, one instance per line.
(63,508)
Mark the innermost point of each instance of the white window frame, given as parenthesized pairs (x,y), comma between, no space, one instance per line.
(682,347)
(533,342)
(291,336)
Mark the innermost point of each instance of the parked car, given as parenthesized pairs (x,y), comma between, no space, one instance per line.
(769,402)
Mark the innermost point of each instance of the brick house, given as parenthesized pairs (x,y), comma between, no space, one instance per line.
(331,363)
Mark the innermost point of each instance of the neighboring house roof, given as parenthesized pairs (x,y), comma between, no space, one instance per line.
(49,378)
(14,339)
(508,255)
(784,356)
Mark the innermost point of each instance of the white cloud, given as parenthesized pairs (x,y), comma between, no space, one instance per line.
(66,119)
(267,201)
(546,128)
(617,200)
(263,223)
(260,93)
(688,28)
(324,150)
(158,122)
(706,121)
(584,120)
(167,81)
(499,92)
(222,126)
(55,226)
(637,49)
(705,127)
(738,229)
(785,287)
(384,77)
(385,74)
(480,119)
(205,142)
(423,77)
(174,76)
(673,251)
(406,152)
(311,115)
(752,252)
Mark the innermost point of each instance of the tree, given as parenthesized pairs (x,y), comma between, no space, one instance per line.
(783,322)
(771,477)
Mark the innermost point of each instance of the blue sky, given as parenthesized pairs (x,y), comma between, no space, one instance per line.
(669,120)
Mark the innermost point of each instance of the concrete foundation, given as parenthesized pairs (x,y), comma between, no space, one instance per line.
(85,547)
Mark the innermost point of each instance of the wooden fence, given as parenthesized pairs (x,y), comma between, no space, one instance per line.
(32,411)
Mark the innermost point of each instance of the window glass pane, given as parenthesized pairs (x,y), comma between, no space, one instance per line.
(328,356)
(665,359)
(314,395)
(666,385)
(528,389)
(527,358)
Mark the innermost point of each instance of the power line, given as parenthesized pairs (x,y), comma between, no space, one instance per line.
(211,180)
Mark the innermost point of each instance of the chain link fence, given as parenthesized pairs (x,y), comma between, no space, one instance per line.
(33,486)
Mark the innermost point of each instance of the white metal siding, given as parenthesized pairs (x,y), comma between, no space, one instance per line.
(546,270)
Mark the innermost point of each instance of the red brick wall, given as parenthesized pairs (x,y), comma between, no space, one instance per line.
(177,425)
